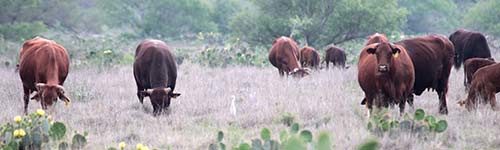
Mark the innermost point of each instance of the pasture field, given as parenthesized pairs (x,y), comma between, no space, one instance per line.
(104,104)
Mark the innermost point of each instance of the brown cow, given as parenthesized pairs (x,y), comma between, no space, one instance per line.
(375,38)
(485,83)
(432,57)
(336,56)
(155,73)
(43,67)
(309,57)
(285,56)
(469,45)
(472,65)
(385,75)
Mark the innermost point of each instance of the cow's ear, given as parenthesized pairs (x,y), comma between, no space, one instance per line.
(175,95)
(372,48)
(396,49)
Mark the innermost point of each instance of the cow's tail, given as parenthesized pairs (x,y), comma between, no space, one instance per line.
(315,60)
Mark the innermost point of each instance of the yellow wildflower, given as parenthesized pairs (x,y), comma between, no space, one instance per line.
(19,133)
(122,145)
(139,146)
(18,119)
(40,112)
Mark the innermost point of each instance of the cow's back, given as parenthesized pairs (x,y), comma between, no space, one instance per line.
(284,54)
(469,45)
(43,61)
(154,65)
(432,57)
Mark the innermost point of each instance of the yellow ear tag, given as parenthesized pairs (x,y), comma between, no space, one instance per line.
(396,55)
(67,103)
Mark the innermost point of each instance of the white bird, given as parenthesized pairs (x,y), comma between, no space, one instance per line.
(233,105)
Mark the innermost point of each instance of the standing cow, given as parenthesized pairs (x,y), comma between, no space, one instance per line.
(309,57)
(472,65)
(43,67)
(285,56)
(155,72)
(485,83)
(336,56)
(432,57)
(469,45)
(385,75)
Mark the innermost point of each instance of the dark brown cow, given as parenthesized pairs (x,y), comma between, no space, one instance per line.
(336,56)
(472,65)
(309,57)
(432,57)
(43,67)
(285,56)
(385,75)
(469,45)
(485,83)
(155,72)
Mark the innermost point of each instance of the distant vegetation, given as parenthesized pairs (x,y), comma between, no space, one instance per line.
(227,32)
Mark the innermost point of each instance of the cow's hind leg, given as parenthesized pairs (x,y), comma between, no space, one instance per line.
(26,99)
(443,109)
(492,100)
(402,104)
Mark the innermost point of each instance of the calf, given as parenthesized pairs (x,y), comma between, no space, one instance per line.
(485,83)
(472,65)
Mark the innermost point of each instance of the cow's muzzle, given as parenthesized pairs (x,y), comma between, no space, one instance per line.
(383,68)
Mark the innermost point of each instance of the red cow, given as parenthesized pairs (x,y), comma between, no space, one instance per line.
(386,75)
(43,67)
(285,56)
(310,57)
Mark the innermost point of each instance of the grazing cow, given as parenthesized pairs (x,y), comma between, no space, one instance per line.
(309,57)
(432,57)
(469,45)
(386,75)
(285,56)
(155,72)
(336,56)
(472,65)
(485,83)
(43,67)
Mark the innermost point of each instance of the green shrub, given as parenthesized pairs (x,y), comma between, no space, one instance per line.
(38,131)
(22,30)
(292,139)
(420,122)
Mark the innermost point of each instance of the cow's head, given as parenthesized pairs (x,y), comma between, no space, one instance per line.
(47,94)
(160,98)
(300,72)
(385,53)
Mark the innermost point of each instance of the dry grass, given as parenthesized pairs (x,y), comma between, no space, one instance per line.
(105,105)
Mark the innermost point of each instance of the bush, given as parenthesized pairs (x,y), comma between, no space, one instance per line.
(420,122)
(292,139)
(38,131)
(484,17)
(234,52)
(22,30)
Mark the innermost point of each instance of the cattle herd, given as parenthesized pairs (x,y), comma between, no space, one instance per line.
(389,73)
